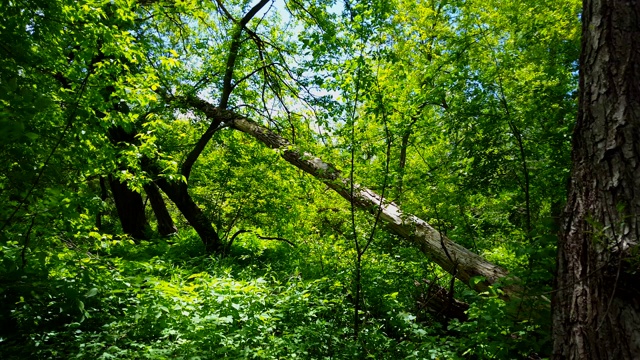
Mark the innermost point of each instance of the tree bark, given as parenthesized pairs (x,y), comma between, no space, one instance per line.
(130,210)
(163,218)
(178,193)
(596,308)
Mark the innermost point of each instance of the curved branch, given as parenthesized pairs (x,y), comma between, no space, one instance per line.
(261,68)
(233,53)
(233,238)
(242,231)
(276,238)
(193,155)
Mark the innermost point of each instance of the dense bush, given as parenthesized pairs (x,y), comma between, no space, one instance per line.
(160,300)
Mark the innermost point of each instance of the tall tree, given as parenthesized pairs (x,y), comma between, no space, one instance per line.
(597,303)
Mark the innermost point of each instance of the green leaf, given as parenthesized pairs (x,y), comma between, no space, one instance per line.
(32,136)
(476,280)
(92,292)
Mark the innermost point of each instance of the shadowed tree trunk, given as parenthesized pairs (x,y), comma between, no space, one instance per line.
(176,192)
(597,299)
(440,303)
(179,195)
(130,210)
(165,223)
(128,202)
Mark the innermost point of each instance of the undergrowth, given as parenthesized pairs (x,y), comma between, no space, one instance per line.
(164,300)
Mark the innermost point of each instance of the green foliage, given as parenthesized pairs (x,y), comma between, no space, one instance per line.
(459,111)
(165,302)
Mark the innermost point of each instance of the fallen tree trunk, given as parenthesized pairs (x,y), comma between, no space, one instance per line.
(452,257)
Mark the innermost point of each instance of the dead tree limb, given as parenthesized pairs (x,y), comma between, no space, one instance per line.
(452,257)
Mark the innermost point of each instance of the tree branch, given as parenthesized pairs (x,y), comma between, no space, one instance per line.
(233,53)
(242,231)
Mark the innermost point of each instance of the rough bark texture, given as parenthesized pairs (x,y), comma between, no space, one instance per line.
(178,193)
(452,257)
(130,210)
(165,222)
(597,302)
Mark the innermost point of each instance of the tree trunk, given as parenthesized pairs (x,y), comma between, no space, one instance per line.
(597,299)
(130,210)
(165,223)
(178,193)
(403,162)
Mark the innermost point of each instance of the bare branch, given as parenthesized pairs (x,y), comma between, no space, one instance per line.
(233,53)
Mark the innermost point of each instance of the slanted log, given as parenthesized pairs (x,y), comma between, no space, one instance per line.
(452,257)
